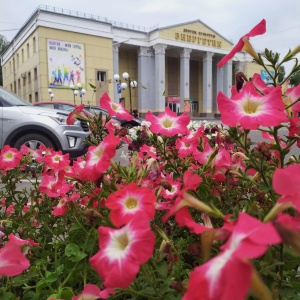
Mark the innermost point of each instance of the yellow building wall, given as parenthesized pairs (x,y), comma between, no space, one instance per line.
(195,33)
(98,56)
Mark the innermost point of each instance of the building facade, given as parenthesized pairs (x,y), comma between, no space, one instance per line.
(174,65)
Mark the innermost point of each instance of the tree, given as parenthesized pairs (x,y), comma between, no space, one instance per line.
(3,45)
(295,79)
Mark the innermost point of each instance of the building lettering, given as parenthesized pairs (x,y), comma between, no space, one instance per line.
(201,38)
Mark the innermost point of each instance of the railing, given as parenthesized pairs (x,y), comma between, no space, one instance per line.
(93,17)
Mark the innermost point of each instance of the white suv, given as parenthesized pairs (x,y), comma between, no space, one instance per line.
(22,123)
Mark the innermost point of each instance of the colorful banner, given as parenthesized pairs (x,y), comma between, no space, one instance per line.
(65,64)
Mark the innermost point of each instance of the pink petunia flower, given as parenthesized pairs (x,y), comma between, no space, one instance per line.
(93,292)
(230,270)
(129,202)
(244,44)
(250,109)
(9,158)
(115,109)
(286,183)
(122,251)
(168,123)
(12,261)
(98,158)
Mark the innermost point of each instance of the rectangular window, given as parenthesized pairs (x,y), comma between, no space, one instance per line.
(18,60)
(10,67)
(29,78)
(34,45)
(36,97)
(30,98)
(11,87)
(28,50)
(15,87)
(19,86)
(101,76)
(22,55)
(35,74)
(24,80)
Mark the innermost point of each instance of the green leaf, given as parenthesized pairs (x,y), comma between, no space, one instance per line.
(67,294)
(73,252)
(162,269)
(30,295)
(52,277)
(8,296)
(75,227)
(53,296)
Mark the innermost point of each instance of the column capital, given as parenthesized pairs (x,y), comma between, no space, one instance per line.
(185,52)
(145,51)
(160,48)
(208,56)
(116,47)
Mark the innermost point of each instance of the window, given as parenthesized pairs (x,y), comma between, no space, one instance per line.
(28,51)
(10,67)
(24,81)
(15,87)
(19,85)
(11,87)
(35,74)
(22,55)
(30,98)
(18,60)
(34,45)
(29,78)
(36,97)
(101,76)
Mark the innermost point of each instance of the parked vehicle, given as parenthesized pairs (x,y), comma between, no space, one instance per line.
(89,110)
(22,123)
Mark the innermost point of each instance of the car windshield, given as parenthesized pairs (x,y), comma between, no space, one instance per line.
(12,99)
(96,110)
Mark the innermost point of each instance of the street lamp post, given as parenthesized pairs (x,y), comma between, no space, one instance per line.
(51,94)
(131,83)
(81,92)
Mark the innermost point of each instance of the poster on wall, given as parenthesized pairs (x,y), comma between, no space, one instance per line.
(65,64)
(266,77)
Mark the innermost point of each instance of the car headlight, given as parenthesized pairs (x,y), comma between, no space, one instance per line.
(59,118)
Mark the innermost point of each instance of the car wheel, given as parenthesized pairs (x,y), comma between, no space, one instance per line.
(127,125)
(33,141)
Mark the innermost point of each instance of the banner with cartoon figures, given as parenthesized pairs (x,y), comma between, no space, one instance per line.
(65,64)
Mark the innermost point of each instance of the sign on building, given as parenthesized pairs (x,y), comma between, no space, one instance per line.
(65,64)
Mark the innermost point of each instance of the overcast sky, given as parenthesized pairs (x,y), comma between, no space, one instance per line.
(230,18)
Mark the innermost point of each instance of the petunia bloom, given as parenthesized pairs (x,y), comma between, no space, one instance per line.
(12,261)
(129,202)
(114,109)
(244,44)
(230,272)
(98,158)
(250,109)
(9,158)
(286,183)
(168,123)
(122,251)
(93,292)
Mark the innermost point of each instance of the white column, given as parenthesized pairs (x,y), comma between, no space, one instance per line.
(227,78)
(207,83)
(160,74)
(116,70)
(146,75)
(184,76)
